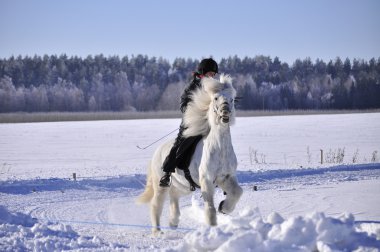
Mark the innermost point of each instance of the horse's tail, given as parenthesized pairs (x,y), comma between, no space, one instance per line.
(148,193)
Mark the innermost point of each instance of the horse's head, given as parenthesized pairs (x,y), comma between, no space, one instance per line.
(222,96)
(213,104)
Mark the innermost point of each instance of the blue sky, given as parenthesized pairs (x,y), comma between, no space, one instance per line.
(194,29)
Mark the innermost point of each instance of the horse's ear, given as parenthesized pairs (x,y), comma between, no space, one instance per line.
(225,78)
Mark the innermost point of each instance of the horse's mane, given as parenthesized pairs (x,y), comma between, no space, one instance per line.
(195,118)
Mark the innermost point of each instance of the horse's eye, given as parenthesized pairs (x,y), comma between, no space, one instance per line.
(216,98)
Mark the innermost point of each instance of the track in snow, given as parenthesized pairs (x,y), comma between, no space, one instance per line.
(111,200)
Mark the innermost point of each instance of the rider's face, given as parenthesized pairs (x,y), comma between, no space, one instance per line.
(210,74)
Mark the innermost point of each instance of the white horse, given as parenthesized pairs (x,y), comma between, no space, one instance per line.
(214,162)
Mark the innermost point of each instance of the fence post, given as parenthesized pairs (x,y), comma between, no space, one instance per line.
(75,176)
(321,156)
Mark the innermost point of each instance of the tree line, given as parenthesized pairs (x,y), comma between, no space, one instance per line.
(142,83)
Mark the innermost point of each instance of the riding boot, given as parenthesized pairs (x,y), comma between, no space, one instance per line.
(165,180)
(193,185)
(170,164)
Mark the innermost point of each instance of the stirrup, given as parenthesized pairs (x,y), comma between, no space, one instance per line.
(165,181)
(193,185)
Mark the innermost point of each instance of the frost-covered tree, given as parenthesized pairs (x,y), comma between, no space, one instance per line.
(7,91)
(147,98)
(126,83)
(170,98)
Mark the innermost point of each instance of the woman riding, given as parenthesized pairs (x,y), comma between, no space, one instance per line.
(183,148)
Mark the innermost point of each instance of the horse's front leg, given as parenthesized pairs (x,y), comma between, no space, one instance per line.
(207,188)
(231,187)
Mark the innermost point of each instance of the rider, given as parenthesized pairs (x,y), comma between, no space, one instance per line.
(183,148)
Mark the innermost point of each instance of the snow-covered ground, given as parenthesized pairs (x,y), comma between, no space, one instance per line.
(300,204)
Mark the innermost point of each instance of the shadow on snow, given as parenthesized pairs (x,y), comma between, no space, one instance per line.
(117,183)
(137,181)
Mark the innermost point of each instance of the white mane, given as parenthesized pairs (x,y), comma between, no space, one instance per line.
(196,115)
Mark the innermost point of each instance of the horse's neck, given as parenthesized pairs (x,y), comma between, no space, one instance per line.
(218,153)
(219,138)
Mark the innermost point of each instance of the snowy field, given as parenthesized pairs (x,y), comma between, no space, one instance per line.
(301,204)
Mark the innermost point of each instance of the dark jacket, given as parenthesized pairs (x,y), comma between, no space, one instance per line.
(186,96)
(183,148)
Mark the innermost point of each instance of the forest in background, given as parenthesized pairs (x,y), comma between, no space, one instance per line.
(142,83)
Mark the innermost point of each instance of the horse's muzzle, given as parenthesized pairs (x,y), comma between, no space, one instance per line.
(226,114)
(225,119)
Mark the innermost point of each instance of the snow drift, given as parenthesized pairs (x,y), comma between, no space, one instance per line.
(250,232)
(21,232)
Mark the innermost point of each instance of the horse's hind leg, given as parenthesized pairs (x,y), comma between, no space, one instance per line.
(233,191)
(174,207)
(156,207)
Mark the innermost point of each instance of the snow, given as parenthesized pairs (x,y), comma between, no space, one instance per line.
(251,232)
(300,204)
(23,233)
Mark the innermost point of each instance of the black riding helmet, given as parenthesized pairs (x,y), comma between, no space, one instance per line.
(207,65)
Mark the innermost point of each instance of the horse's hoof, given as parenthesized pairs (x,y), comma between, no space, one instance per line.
(172,226)
(157,233)
(220,207)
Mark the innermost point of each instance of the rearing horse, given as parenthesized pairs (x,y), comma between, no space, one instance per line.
(214,163)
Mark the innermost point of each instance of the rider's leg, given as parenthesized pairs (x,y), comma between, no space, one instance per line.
(184,156)
(170,163)
(168,167)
